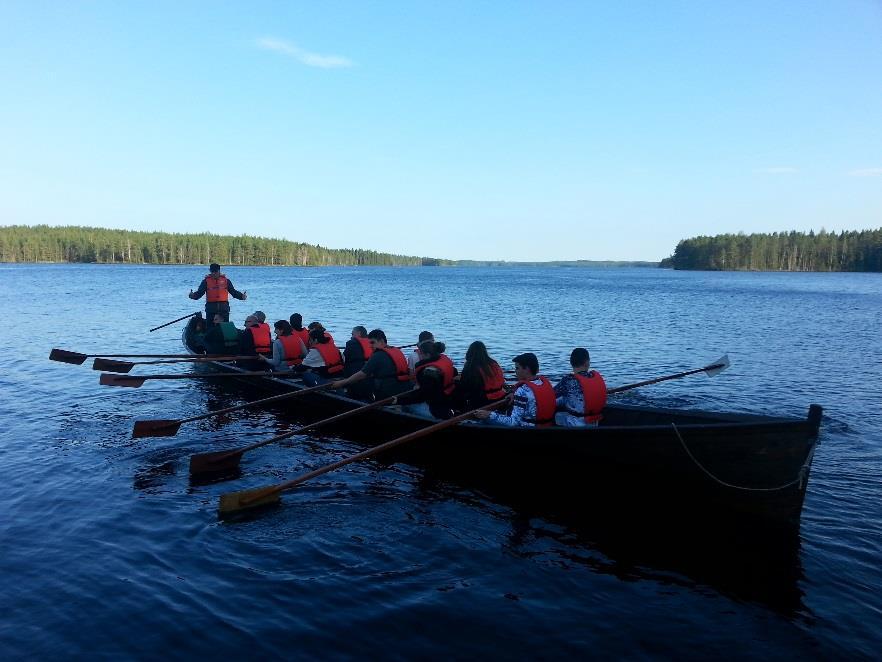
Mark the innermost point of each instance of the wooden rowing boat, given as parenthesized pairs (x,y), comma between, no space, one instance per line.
(743,469)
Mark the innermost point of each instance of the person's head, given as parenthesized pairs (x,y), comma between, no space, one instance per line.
(218,318)
(296,321)
(424,336)
(377,339)
(214,268)
(526,366)
(359,332)
(260,316)
(580,359)
(251,320)
(477,360)
(429,349)
(317,336)
(282,328)
(315,325)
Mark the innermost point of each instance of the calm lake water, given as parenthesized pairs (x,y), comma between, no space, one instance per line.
(108,549)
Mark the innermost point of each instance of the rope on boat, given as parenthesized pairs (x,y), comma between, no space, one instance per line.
(803,471)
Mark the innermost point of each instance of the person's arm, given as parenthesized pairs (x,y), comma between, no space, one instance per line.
(519,410)
(560,390)
(278,360)
(369,370)
(234,292)
(199,292)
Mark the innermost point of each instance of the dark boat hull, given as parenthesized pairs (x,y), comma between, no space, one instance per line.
(683,465)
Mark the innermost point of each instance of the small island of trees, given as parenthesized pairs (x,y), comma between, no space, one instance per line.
(781,251)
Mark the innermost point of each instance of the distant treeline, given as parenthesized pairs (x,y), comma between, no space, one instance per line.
(554,263)
(784,251)
(42,243)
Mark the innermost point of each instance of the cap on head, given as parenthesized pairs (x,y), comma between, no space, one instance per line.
(528,360)
(259,314)
(214,267)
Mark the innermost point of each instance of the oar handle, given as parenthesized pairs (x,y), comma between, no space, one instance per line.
(281,487)
(162,326)
(628,387)
(199,359)
(263,401)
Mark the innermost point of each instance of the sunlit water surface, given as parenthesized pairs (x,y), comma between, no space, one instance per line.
(108,550)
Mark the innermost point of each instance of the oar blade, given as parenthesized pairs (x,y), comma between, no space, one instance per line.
(156,428)
(720,364)
(108,379)
(109,365)
(236,503)
(64,356)
(218,462)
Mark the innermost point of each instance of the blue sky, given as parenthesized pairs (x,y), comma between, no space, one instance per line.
(498,130)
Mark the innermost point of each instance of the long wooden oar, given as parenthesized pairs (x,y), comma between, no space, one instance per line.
(226,461)
(136,381)
(235,502)
(112,365)
(162,326)
(170,427)
(65,356)
(714,368)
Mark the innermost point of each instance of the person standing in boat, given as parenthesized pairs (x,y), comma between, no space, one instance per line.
(288,349)
(357,352)
(217,289)
(222,337)
(534,401)
(482,380)
(435,375)
(323,362)
(581,395)
(387,367)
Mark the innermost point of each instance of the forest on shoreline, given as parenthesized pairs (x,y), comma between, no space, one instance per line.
(851,250)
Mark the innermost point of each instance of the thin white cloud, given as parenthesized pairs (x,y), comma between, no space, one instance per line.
(303,56)
(779,170)
(866,172)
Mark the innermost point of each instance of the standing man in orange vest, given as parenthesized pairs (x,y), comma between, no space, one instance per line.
(217,289)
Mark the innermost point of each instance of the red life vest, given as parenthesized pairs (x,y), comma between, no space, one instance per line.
(293,349)
(594,394)
(303,334)
(329,337)
(216,288)
(402,370)
(331,356)
(445,365)
(260,334)
(493,385)
(546,402)
(365,347)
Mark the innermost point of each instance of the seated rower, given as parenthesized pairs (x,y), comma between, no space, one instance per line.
(323,362)
(296,322)
(288,349)
(435,375)
(534,399)
(416,355)
(582,394)
(254,339)
(222,337)
(482,379)
(319,325)
(356,353)
(387,367)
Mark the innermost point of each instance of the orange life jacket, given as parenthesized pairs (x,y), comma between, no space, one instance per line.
(594,395)
(216,288)
(402,370)
(445,365)
(546,402)
(261,337)
(493,385)
(365,347)
(331,356)
(293,349)
(303,334)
